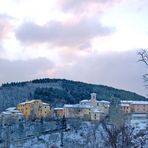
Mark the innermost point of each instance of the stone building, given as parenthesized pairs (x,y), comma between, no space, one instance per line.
(10,116)
(59,112)
(102,105)
(134,106)
(77,111)
(89,109)
(96,115)
(34,109)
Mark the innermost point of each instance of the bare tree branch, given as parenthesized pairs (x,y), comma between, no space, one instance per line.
(143,56)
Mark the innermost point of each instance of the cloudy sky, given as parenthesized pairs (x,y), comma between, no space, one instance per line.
(94,41)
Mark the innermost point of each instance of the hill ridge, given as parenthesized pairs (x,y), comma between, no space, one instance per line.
(58,92)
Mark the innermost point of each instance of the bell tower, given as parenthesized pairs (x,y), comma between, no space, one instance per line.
(93,99)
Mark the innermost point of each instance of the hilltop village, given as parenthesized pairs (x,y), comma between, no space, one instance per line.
(92,110)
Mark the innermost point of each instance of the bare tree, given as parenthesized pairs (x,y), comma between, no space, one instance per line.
(113,124)
(123,136)
(110,134)
(118,133)
(143,57)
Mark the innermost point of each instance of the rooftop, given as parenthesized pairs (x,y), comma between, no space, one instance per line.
(134,102)
(97,111)
(124,104)
(10,111)
(28,102)
(104,101)
(76,106)
(85,101)
(88,101)
(45,103)
(58,108)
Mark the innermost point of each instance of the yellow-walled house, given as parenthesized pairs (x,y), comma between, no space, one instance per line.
(24,108)
(77,111)
(44,110)
(95,104)
(103,106)
(89,109)
(34,109)
(86,112)
(96,115)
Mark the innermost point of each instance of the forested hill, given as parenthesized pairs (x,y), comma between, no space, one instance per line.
(58,92)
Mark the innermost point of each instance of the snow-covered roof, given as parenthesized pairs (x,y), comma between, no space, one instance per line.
(97,101)
(76,106)
(104,101)
(16,112)
(135,102)
(6,113)
(96,110)
(139,115)
(45,103)
(29,102)
(58,108)
(85,101)
(124,104)
(11,109)
(88,101)
(140,102)
(69,105)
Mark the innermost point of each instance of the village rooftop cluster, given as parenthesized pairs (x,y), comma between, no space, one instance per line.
(92,110)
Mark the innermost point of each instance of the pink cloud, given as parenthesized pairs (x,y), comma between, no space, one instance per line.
(77,34)
(5,26)
(81,6)
(5,29)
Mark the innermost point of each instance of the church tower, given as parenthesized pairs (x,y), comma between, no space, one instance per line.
(93,99)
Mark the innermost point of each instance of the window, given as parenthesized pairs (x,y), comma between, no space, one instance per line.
(95,116)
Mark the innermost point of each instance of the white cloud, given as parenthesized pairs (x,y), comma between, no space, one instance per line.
(72,28)
(76,34)
(20,70)
(120,70)
(85,6)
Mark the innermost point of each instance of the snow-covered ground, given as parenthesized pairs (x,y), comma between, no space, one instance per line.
(82,134)
(140,121)
(85,136)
